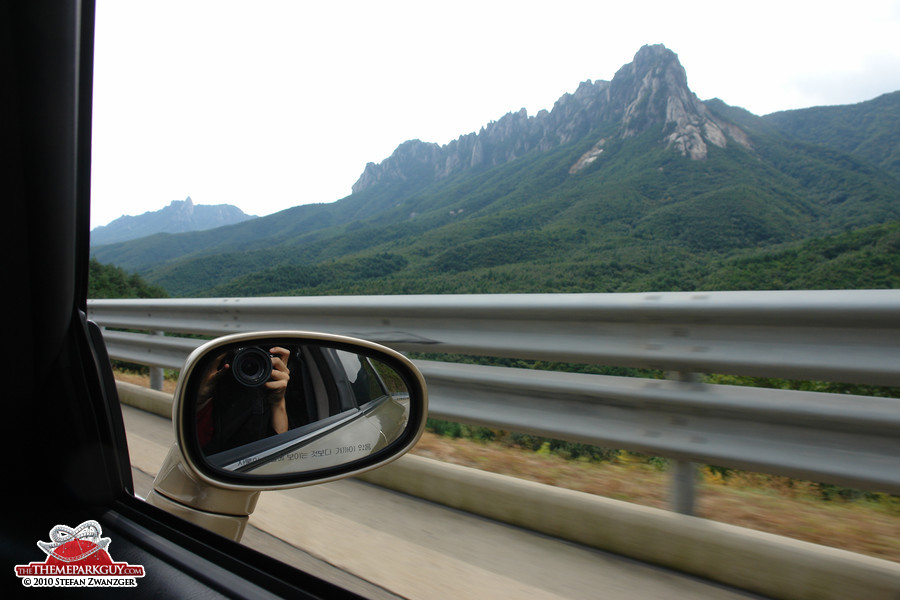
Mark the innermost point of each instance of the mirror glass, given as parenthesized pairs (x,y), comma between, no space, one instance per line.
(279,406)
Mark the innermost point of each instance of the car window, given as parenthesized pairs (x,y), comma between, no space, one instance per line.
(278,105)
(363,378)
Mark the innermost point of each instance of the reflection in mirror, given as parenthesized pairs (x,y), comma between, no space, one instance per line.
(276,407)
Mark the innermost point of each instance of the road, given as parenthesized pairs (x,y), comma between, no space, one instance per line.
(382,544)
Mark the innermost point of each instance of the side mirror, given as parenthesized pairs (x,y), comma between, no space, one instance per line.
(275,410)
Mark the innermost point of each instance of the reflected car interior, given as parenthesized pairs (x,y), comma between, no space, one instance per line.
(341,407)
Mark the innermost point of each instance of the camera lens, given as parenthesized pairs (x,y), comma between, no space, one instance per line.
(251,366)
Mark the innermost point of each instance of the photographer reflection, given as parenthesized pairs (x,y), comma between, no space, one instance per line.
(242,398)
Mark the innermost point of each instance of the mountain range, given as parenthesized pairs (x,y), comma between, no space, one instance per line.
(624,185)
(179,216)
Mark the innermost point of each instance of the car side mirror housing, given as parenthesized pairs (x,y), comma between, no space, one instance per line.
(281,409)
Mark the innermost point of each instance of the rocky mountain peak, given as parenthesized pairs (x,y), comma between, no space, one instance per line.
(643,87)
(181,209)
(651,91)
(406,161)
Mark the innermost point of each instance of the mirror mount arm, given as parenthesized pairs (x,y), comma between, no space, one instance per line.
(177,491)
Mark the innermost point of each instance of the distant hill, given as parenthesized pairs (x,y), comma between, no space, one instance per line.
(178,217)
(868,130)
(624,185)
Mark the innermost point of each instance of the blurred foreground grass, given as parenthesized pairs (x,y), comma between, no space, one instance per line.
(827,515)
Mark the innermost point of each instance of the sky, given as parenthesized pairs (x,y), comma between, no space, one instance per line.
(270,104)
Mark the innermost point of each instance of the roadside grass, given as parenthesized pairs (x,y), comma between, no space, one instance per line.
(778,505)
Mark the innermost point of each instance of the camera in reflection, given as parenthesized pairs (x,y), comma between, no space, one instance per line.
(251,366)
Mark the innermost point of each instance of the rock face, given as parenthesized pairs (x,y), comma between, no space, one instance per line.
(178,217)
(650,91)
(653,89)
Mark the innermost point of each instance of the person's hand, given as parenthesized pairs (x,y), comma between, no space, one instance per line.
(211,377)
(278,381)
(276,386)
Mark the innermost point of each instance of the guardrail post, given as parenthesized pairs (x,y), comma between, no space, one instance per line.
(682,485)
(683,492)
(157,374)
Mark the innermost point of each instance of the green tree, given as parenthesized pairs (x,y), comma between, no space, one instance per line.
(110,281)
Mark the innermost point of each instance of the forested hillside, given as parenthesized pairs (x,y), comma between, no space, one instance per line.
(868,130)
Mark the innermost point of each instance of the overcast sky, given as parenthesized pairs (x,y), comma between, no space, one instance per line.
(275,103)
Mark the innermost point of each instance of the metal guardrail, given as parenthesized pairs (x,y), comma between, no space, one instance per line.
(842,336)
